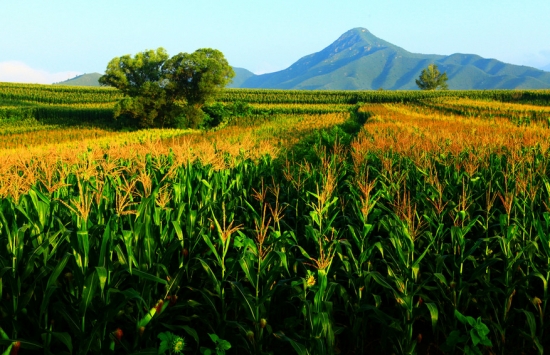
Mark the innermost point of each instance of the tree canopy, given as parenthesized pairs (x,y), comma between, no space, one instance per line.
(431,79)
(165,92)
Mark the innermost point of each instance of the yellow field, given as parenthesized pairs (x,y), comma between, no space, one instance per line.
(33,152)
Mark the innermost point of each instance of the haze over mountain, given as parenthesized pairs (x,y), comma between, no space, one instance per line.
(359,60)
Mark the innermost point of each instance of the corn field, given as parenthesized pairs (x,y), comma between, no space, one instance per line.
(411,223)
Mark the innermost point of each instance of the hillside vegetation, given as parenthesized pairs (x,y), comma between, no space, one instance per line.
(358,60)
(82,80)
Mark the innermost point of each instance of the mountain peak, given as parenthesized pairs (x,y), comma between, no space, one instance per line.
(358,60)
(362,39)
(358,34)
(358,30)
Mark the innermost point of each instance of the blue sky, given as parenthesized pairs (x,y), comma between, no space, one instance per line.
(46,41)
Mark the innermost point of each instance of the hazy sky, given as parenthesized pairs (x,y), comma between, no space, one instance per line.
(47,41)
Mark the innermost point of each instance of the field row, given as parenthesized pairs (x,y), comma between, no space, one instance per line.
(65,95)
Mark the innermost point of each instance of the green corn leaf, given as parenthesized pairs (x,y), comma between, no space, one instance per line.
(69,318)
(149,277)
(26,344)
(205,183)
(248,271)
(57,271)
(303,251)
(104,243)
(283,258)
(377,300)
(245,302)
(102,276)
(121,256)
(208,297)
(441,278)
(481,269)
(128,237)
(129,294)
(88,293)
(148,242)
(474,247)
(174,282)
(65,338)
(269,262)
(434,315)
(540,348)
(55,240)
(211,275)
(299,348)
(208,242)
(39,251)
(84,246)
(177,228)
(544,238)
(192,332)
(419,259)
(26,297)
(8,350)
(541,277)
(381,281)
(89,338)
(3,334)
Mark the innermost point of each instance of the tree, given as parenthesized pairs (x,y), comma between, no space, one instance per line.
(431,79)
(167,92)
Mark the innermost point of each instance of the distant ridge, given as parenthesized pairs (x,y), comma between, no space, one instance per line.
(359,60)
(241,75)
(92,79)
(82,80)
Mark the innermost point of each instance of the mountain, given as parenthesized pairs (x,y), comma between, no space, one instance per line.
(241,75)
(82,80)
(359,60)
(546,68)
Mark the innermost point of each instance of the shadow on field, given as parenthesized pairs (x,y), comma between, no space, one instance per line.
(342,134)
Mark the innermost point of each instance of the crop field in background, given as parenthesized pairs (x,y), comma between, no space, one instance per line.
(325,222)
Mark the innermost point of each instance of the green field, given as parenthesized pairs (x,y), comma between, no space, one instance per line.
(321,222)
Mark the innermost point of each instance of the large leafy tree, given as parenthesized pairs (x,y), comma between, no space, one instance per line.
(167,92)
(431,79)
